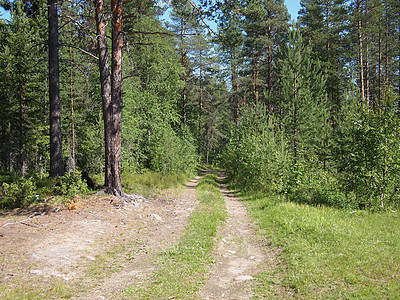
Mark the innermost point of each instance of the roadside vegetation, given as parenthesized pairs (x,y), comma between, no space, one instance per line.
(106,262)
(183,269)
(21,192)
(329,253)
(330,205)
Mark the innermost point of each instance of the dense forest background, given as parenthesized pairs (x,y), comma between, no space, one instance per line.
(308,111)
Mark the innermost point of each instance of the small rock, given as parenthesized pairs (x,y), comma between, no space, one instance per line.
(157,217)
(244,278)
(35,256)
(252,257)
(231,251)
(35,272)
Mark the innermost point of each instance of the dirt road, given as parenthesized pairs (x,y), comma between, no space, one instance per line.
(98,248)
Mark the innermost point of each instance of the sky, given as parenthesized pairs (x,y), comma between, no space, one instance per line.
(4,14)
(292,5)
(293,8)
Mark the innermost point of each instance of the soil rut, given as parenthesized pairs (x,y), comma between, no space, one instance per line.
(73,246)
(239,254)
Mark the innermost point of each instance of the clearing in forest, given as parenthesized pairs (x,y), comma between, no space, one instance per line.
(97,249)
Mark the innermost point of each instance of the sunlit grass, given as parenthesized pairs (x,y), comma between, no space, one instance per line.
(150,183)
(184,268)
(55,289)
(330,253)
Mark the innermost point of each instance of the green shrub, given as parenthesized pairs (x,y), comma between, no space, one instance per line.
(172,153)
(6,178)
(70,184)
(18,194)
(256,158)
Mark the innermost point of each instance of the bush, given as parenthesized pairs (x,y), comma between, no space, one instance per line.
(71,184)
(173,153)
(256,158)
(19,193)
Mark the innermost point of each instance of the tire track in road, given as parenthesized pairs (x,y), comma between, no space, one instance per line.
(239,254)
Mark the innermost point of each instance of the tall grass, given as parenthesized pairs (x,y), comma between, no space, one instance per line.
(149,183)
(330,253)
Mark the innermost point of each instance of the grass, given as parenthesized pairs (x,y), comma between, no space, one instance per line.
(56,289)
(150,183)
(330,253)
(184,268)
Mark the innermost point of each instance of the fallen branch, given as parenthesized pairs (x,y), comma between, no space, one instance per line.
(30,218)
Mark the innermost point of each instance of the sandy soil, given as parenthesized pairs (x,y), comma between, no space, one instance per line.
(49,242)
(239,253)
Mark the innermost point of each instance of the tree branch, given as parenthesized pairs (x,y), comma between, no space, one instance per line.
(201,17)
(160,33)
(80,49)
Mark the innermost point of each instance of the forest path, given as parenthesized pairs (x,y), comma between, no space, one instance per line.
(239,253)
(97,250)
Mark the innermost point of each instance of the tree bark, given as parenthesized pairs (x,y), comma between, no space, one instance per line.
(360,53)
(116,96)
(295,118)
(380,70)
(21,156)
(111,93)
(200,104)
(71,94)
(235,87)
(105,82)
(184,64)
(56,158)
(207,141)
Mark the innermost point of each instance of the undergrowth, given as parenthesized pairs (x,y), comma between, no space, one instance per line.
(150,183)
(21,192)
(330,253)
(183,268)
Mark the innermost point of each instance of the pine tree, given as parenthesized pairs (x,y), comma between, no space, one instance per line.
(23,145)
(56,155)
(185,23)
(265,25)
(230,40)
(323,24)
(111,84)
(303,99)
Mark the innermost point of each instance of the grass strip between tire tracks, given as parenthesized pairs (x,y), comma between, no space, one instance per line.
(183,269)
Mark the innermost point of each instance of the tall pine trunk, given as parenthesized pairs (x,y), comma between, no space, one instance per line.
(184,78)
(360,53)
(56,158)
(105,82)
(71,94)
(200,104)
(111,93)
(116,96)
